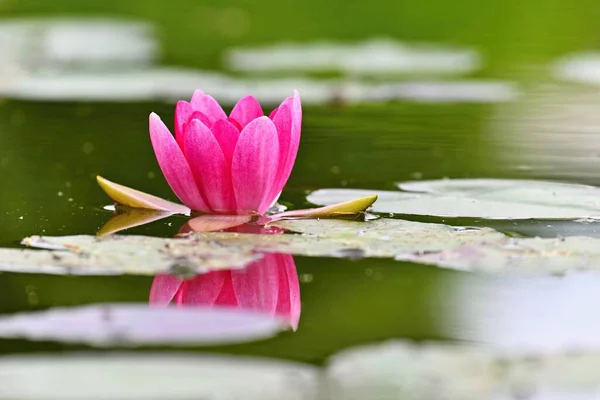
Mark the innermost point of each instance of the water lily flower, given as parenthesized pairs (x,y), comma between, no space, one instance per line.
(269,285)
(224,164)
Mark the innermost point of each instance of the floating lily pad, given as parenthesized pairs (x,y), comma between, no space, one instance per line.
(526,255)
(516,314)
(469,249)
(114,255)
(153,376)
(374,56)
(138,324)
(403,370)
(479,198)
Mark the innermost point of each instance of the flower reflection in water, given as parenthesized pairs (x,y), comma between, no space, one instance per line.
(269,285)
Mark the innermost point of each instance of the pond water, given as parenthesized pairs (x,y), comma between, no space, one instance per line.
(344,302)
(546,128)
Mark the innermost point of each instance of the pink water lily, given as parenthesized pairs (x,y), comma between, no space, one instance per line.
(269,286)
(228,164)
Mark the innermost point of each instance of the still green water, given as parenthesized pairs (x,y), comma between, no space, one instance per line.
(50,153)
(344,302)
(62,146)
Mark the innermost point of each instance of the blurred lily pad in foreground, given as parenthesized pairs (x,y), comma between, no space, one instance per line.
(138,324)
(153,376)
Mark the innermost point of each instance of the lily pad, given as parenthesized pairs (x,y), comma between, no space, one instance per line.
(153,376)
(515,314)
(138,324)
(469,249)
(115,255)
(523,255)
(479,198)
(404,370)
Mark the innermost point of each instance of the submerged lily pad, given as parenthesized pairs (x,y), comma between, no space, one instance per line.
(153,376)
(479,198)
(470,249)
(138,324)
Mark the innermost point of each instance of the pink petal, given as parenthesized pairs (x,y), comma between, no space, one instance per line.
(257,286)
(288,301)
(207,105)
(183,112)
(204,289)
(274,112)
(254,164)
(202,117)
(227,135)
(283,123)
(212,223)
(227,295)
(209,166)
(164,288)
(296,109)
(235,123)
(288,120)
(258,228)
(194,115)
(246,110)
(174,166)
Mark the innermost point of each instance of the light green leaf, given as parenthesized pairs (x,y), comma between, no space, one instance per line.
(134,198)
(346,209)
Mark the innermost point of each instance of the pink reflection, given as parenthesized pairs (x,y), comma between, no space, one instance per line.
(269,285)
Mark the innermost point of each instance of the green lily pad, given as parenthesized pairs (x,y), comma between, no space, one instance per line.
(404,370)
(470,249)
(479,198)
(114,255)
(153,376)
(139,324)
